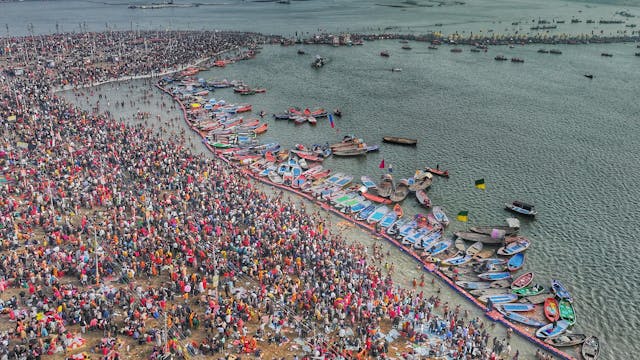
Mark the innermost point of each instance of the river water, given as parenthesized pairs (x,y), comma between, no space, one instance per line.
(539,132)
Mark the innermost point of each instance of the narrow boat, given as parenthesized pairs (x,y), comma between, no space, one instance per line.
(334,178)
(398,210)
(384,53)
(438,171)
(376,198)
(522,281)
(457,260)
(343,199)
(488,230)
(535,299)
(521,208)
(393,229)
(366,212)
(551,311)
(440,215)
(560,291)
(423,199)
(399,140)
(498,298)
(366,181)
(566,311)
(474,249)
(421,181)
(472,236)
(350,152)
(275,177)
(516,262)
(494,276)
(591,348)
(516,307)
(346,180)
(428,240)
(268,170)
(378,214)
(523,319)
(514,247)
(439,247)
(350,203)
(471,285)
(567,340)
(415,237)
(385,188)
(388,219)
(529,291)
(406,229)
(401,191)
(357,207)
(550,331)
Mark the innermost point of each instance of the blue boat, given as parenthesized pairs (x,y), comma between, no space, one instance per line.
(389,219)
(358,207)
(440,215)
(415,237)
(395,227)
(514,247)
(493,276)
(366,212)
(498,298)
(407,229)
(560,291)
(549,331)
(366,181)
(378,214)
(334,178)
(440,247)
(296,171)
(283,168)
(430,239)
(266,171)
(523,319)
(516,262)
(346,180)
(457,260)
(516,307)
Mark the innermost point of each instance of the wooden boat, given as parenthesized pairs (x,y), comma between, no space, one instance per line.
(488,230)
(490,291)
(385,188)
(438,171)
(516,262)
(521,208)
(522,281)
(275,177)
(551,311)
(591,348)
(376,198)
(560,291)
(495,276)
(350,152)
(474,249)
(401,191)
(471,236)
(529,291)
(421,181)
(566,340)
(514,247)
(551,331)
(423,199)
(498,298)
(513,316)
(535,299)
(399,140)
(566,311)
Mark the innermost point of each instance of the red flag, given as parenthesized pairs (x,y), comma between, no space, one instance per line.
(381,166)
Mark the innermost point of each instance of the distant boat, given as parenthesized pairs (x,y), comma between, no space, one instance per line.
(406,47)
(319,62)
(555,51)
(456,50)
(588,76)
(399,140)
(384,53)
(521,208)
(396,69)
(517,60)
(301,52)
(437,171)
(543,51)
(606,55)
(501,58)
(432,47)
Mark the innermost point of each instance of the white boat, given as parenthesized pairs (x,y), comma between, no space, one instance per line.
(378,214)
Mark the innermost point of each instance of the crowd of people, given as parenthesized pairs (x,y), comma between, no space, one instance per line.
(109,229)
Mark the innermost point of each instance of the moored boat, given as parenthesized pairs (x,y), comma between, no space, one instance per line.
(400,192)
(522,281)
(551,311)
(567,311)
(560,291)
(385,188)
(495,276)
(489,230)
(513,316)
(516,262)
(498,298)
(529,291)
(552,330)
(399,140)
(521,208)
(566,340)
(440,215)
(514,247)
(471,236)
(438,171)
(590,348)
(423,199)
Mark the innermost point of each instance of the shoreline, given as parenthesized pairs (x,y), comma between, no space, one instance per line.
(493,315)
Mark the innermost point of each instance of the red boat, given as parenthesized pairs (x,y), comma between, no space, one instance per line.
(307,156)
(260,129)
(376,198)
(551,309)
(244,108)
(522,281)
(423,199)
(437,171)
(398,210)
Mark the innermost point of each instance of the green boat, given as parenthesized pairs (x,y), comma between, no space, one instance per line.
(566,311)
(529,291)
(220,145)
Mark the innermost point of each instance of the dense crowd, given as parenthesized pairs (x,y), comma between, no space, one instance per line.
(108,228)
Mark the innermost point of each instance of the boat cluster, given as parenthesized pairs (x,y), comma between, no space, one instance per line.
(487,269)
(299,116)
